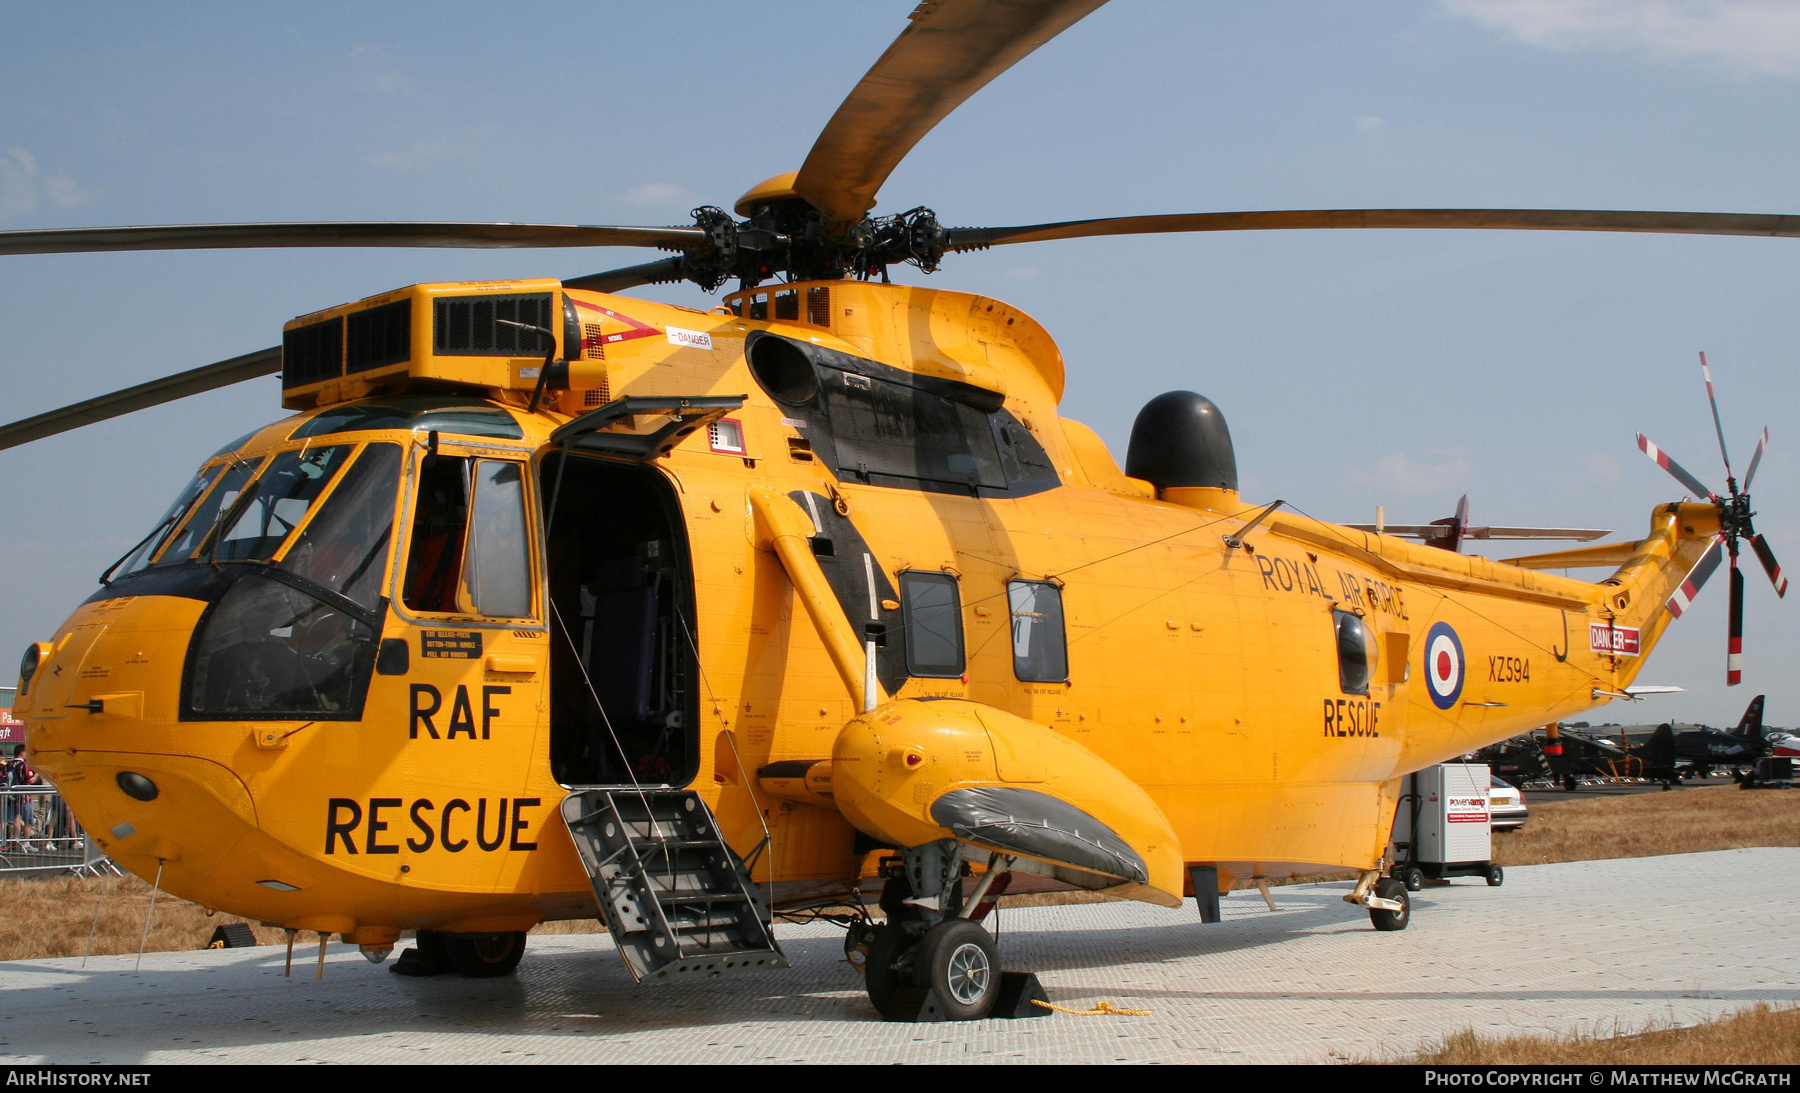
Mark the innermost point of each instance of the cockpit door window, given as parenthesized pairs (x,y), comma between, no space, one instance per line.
(497,562)
(470,553)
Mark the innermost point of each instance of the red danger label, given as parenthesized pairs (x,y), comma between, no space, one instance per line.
(1468,817)
(1619,641)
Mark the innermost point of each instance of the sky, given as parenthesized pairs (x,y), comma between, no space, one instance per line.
(1356,369)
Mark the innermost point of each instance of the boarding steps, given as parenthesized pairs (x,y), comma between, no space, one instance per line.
(677,899)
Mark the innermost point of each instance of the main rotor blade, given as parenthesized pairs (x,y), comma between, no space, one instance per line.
(1734,628)
(265,362)
(951,50)
(1713,401)
(1761,443)
(1514,219)
(1681,475)
(618,280)
(1769,564)
(341,234)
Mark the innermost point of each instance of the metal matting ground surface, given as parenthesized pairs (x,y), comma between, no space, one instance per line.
(1608,944)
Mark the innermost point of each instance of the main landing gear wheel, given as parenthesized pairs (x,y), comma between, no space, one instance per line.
(485,956)
(960,963)
(1496,876)
(1389,888)
(1411,876)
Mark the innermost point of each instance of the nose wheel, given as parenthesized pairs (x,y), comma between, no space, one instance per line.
(951,972)
(961,964)
(931,961)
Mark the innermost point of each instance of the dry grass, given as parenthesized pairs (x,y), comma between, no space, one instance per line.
(1681,821)
(52,916)
(1759,1035)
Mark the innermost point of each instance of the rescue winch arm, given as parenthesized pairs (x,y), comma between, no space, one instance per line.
(781,526)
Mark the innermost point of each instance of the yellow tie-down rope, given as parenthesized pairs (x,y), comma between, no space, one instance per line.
(1101,1008)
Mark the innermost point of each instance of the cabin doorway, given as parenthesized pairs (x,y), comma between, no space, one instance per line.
(624,708)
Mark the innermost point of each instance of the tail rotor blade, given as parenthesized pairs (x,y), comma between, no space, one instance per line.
(1762,443)
(1769,564)
(1683,597)
(1681,475)
(1734,628)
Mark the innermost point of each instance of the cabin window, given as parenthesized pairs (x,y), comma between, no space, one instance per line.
(470,549)
(1355,650)
(1039,640)
(933,620)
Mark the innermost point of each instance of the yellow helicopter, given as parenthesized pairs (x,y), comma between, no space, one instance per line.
(547,602)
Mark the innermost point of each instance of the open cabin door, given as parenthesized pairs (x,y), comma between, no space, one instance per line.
(624,671)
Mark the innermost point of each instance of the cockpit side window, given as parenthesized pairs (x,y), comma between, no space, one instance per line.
(470,552)
(146,549)
(278,503)
(200,522)
(345,547)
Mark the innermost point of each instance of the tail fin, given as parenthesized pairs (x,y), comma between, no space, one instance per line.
(1750,726)
(1660,751)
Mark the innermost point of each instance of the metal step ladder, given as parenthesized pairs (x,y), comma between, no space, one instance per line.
(677,899)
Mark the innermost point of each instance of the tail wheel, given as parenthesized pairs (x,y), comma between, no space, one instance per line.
(485,956)
(961,964)
(1389,888)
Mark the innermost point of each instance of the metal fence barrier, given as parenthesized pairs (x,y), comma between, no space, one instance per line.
(38,833)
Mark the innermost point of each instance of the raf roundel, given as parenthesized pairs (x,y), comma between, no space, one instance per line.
(1443,665)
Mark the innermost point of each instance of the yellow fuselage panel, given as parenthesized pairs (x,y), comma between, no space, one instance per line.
(1207,674)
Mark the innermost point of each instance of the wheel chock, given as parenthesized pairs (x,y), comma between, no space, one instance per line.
(914,1005)
(427,957)
(1018,990)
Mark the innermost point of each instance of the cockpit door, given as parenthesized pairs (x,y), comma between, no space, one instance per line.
(466,604)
